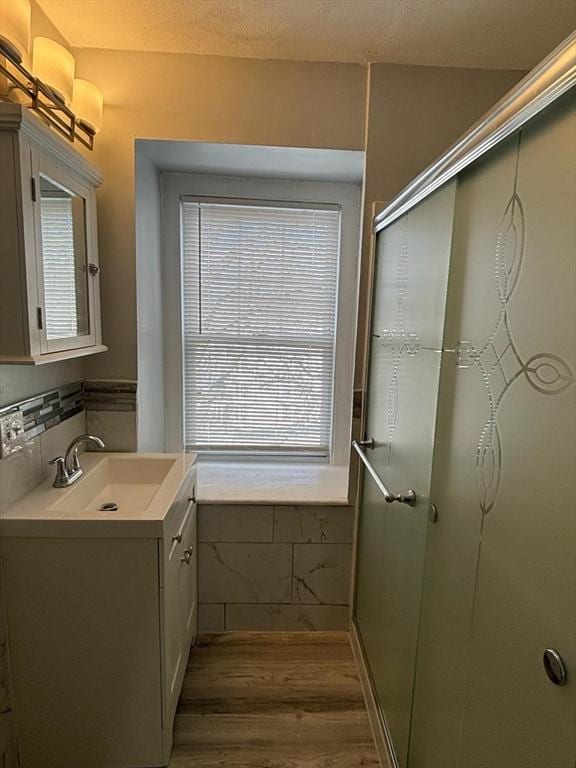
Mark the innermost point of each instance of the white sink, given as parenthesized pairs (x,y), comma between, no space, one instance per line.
(141,487)
(126,485)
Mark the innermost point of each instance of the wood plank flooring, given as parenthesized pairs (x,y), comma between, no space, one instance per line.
(272,700)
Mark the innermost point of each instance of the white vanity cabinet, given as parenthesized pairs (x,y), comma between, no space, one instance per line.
(100,628)
(49,285)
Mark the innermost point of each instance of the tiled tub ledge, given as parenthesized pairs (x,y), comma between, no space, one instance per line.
(274,567)
(222,482)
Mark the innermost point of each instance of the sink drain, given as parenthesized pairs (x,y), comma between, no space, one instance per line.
(109,506)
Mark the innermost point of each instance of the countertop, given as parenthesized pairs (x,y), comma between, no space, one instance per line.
(37,514)
(227,482)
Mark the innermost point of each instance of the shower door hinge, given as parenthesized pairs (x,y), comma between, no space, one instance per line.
(33,188)
(39,318)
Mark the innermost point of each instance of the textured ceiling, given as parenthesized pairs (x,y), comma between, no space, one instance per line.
(495,34)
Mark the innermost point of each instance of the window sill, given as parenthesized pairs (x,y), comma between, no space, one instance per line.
(229,482)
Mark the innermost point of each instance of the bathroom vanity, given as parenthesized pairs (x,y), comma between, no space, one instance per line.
(100,582)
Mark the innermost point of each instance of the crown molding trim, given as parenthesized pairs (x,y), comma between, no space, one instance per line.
(17,117)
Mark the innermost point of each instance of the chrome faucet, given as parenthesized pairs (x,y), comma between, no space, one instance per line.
(68,468)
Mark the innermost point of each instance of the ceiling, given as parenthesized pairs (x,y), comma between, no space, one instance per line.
(495,34)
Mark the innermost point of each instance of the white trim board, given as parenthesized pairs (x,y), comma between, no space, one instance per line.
(382,740)
(175,186)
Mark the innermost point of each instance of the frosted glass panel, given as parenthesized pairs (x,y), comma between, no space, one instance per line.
(499,580)
(412,258)
(526,578)
(452,546)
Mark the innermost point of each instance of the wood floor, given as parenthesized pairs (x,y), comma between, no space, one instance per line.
(272,700)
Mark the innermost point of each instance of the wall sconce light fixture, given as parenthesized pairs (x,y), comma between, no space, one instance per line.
(15,18)
(55,66)
(72,107)
(87,104)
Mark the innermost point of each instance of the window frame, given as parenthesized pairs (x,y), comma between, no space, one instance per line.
(178,187)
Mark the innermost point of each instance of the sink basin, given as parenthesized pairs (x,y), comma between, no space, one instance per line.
(126,485)
(120,495)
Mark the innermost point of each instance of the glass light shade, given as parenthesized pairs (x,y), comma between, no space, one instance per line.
(87,103)
(54,65)
(15,24)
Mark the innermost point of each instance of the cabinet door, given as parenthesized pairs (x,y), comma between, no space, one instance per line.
(179,601)
(188,581)
(66,257)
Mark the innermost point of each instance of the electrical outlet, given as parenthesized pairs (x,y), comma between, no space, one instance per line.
(11,433)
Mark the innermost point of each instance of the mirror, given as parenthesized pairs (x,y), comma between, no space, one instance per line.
(63,228)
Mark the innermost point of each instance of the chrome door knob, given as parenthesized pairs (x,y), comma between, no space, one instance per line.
(554,667)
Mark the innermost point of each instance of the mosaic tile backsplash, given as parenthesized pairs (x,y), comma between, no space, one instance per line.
(109,395)
(50,408)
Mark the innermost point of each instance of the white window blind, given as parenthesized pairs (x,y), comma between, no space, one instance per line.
(57,224)
(259,315)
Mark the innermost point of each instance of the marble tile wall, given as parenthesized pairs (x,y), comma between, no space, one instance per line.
(24,470)
(111,412)
(281,567)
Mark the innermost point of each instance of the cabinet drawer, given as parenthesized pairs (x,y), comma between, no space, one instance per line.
(182,508)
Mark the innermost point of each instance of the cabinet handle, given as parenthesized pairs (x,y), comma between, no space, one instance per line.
(178,538)
(187,555)
(192,498)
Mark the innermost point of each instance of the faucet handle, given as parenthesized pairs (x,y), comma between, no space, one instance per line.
(60,481)
(75,460)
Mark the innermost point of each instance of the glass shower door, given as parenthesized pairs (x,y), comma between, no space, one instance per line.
(500,589)
(409,298)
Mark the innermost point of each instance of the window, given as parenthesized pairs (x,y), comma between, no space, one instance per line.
(260,294)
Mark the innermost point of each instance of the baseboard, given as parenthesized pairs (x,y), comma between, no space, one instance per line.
(378,724)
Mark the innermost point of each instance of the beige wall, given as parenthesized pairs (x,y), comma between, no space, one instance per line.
(414,114)
(41,26)
(198,98)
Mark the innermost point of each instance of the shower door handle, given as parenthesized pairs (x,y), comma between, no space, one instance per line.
(408,497)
